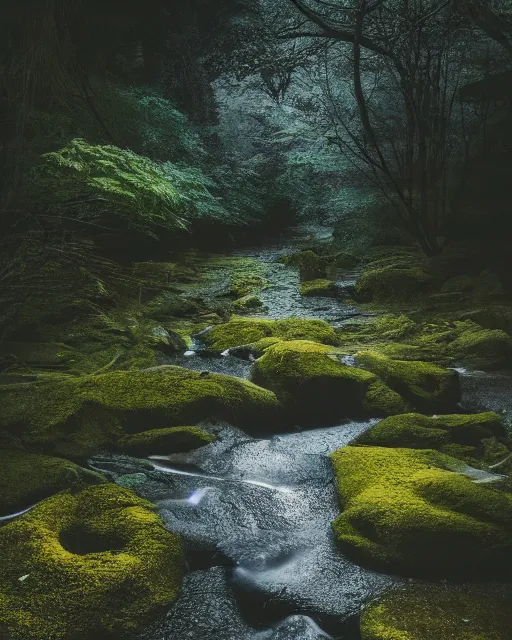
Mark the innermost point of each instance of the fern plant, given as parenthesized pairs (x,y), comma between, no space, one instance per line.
(115,188)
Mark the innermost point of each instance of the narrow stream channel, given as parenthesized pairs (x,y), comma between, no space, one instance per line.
(255,514)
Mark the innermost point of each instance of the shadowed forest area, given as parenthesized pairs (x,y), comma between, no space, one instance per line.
(255,319)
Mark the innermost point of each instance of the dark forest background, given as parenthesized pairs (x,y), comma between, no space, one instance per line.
(128,129)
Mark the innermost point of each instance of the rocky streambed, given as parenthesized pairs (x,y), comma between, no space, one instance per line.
(404,533)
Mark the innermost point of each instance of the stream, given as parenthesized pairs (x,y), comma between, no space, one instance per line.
(255,514)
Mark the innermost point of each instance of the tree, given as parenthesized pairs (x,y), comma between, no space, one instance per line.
(412,55)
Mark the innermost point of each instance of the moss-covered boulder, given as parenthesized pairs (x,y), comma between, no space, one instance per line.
(413,510)
(482,348)
(392,283)
(78,417)
(246,304)
(98,563)
(166,441)
(462,436)
(441,611)
(242,331)
(320,287)
(310,265)
(27,478)
(491,317)
(315,385)
(427,386)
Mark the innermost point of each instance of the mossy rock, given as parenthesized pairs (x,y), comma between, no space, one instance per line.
(242,331)
(27,478)
(158,275)
(439,612)
(314,385)
(245,284)
(78,417)
(491,317)
(326,288)
(50,355)
(483,348)
(473,433)
(166,441)
(427,386)
(173,305)
(310,265)
(248,304)
(98,563)
(461,283)
(414,511)
(392,284)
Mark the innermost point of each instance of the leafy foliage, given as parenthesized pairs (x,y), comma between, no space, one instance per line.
(115,188)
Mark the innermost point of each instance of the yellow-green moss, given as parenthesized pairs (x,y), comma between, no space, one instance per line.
(486,348)
(380,400)
(390,283)
(247,304)
(310,265)
(241,331)
(409,509)
(312,382)
(26,478)
(99,562)
(426,385)
(166,441)
(440,612)
(421,432)
(318,288)
(77,417)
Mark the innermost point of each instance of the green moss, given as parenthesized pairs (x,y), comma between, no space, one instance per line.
(165,441)
(248,304)
(390,283)
(78,417)
(160,275)
(310,265)
(315,386)
(242,331)
(99,562)
(427,386)
(439,612)
(485,348)
(27,478)
(411,510)
(318,288)
(491,317)
(461,436)
(380,400)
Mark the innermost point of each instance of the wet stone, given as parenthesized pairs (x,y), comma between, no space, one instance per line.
(260,511)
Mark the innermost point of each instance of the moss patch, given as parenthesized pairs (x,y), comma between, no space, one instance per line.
(318,288)
(391,283)
(314,385)
(76,418)
(166,441)
(248,304)
(97,562)
(27,478)
(472,432)
(486,348)
(410,509)
(438,612)
(427,386)
(242,331)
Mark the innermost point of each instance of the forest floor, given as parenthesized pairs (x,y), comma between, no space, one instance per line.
(358,487)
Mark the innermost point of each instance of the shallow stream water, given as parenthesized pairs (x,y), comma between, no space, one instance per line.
(255,514)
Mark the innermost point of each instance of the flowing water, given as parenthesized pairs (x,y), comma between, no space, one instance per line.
(255,514)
